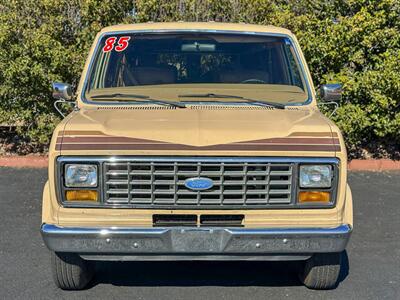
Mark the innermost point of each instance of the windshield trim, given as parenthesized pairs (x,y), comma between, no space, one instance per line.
(162,31)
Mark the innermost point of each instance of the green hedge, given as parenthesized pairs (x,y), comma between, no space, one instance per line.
(356,42)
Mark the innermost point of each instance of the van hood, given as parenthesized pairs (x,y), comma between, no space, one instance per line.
(206,128)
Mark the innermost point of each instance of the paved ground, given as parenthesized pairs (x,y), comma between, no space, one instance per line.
(373,255)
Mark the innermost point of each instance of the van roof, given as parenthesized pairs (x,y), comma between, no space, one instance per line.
(197,26)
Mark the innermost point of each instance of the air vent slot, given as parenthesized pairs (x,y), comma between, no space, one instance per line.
(222,220)
(137,107)
(174,220)
(230,107)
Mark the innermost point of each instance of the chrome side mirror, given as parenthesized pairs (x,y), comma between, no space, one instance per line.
(331,92)
(62,91)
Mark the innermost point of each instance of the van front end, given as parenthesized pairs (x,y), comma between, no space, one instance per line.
(196,141)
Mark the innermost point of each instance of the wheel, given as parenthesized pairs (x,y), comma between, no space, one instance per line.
(321,271)
(70,271)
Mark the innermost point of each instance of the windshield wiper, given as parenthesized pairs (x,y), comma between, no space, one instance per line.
(143,98)
(209,95)
(115,95)
(222,96)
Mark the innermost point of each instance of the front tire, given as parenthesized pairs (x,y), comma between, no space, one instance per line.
(321,271)
(70,271)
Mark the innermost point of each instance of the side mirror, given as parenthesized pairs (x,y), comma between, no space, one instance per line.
(331,92)
(62,91)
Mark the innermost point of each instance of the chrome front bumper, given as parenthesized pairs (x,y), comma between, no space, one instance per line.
(194,243)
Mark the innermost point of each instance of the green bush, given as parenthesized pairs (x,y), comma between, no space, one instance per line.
(42,41)
(356,42)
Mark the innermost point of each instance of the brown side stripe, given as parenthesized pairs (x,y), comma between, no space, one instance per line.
(80,132)
(93,139)
(322,134)
(297,141)
(295,134)
(76,140)
(301,141)
(227,147)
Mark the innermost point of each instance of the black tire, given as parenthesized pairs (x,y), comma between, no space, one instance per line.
(70,271)
(321,271)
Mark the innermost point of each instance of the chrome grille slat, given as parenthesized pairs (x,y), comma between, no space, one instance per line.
(279,173)
(162,183)
(116,182)
(119,172)
(115,191)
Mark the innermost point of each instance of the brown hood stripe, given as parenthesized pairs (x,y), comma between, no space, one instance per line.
(297,141)
(111,139)
(227,147)
(96,133)
(80,132)
(96,140)
(315,134)
(106,140)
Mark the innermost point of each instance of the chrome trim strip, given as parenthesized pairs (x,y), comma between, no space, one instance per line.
(296,50)
(286,159)
(104,231)
(191,257)
(194,240)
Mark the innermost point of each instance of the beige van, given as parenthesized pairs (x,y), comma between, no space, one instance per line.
(196,141)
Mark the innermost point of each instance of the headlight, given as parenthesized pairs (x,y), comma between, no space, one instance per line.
(77,175)
(315,176)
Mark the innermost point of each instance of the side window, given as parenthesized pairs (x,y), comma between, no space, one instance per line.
(293,67)
(95,77)
(278,66)
(104,75)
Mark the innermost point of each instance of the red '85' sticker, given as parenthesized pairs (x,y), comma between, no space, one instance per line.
(122,43)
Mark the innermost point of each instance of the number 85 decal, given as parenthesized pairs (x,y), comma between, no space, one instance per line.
(122,43)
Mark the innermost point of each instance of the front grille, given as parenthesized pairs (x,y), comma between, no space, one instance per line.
(161,183)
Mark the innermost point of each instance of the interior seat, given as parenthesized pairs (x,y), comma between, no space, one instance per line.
(150,75)
(240,75)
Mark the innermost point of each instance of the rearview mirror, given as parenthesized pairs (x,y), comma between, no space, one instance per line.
(62,91)
(197,47)
(331,92)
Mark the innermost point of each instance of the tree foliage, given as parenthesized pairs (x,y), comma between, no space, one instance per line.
(355,42)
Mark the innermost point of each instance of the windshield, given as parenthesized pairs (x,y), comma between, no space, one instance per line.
(186,66)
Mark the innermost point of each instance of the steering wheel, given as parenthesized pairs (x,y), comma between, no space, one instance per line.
(253,80)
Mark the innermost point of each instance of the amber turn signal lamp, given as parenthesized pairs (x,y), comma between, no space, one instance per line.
(314,196)
(81,195)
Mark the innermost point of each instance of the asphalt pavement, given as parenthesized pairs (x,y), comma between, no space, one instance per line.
(372,270)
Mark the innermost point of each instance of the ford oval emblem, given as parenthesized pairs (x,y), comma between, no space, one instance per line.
(199,183)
